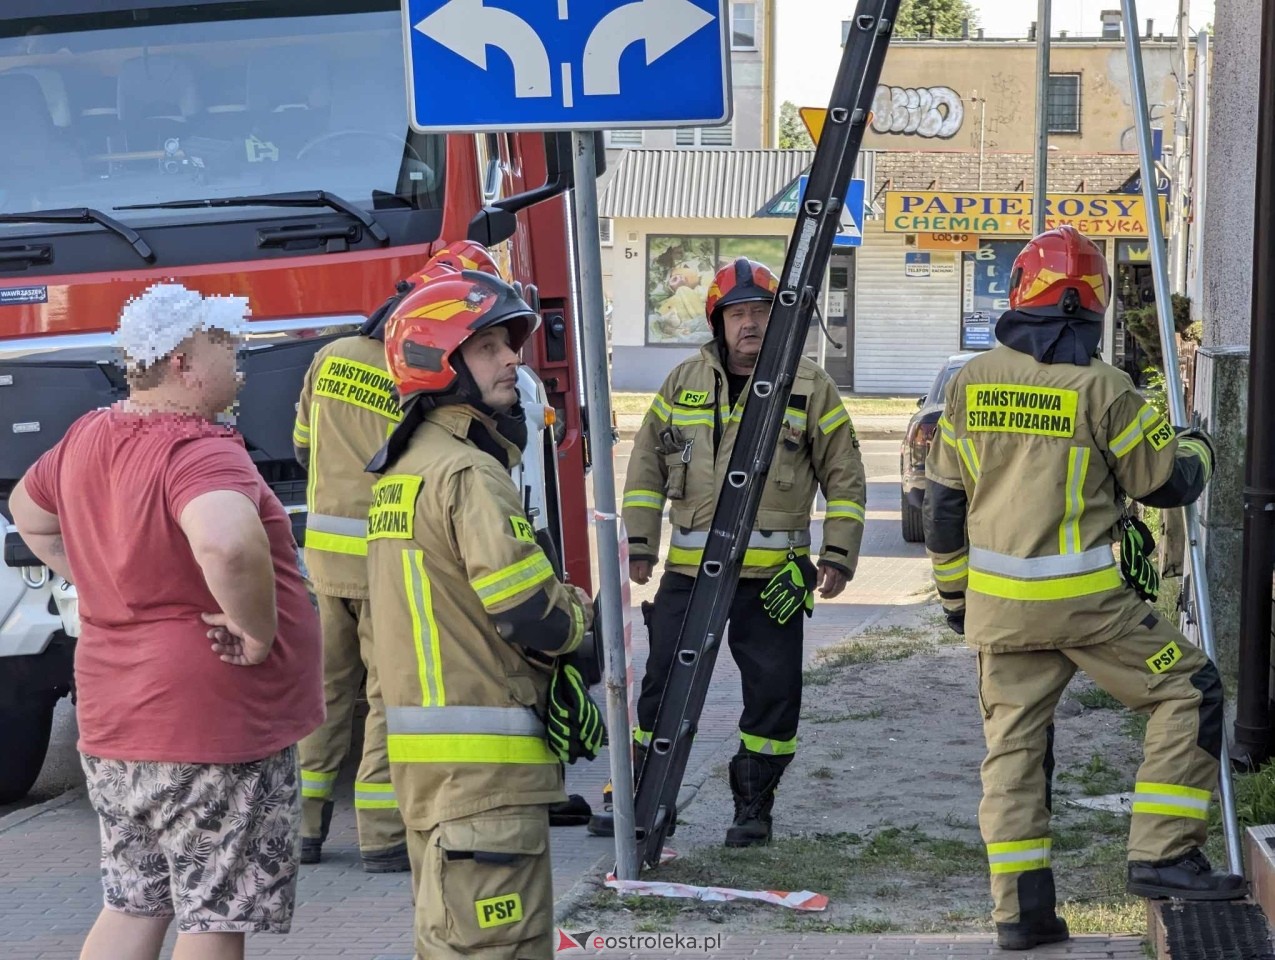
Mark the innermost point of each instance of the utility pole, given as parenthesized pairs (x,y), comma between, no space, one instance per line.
(1181,167)
(1042,116)
(1253,697)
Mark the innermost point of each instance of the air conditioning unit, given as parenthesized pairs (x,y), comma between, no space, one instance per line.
(606,231)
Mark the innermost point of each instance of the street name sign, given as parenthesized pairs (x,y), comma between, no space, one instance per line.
(566,64)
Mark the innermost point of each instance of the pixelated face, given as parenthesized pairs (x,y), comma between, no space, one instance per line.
(744,326)
(212,369)
(493,363)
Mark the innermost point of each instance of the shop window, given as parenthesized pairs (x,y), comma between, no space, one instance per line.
(986,291)
(743,26)
(1063,103)
(679,271)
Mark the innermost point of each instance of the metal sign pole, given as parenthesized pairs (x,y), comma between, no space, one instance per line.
(1042,117)
(605,513)
(1177,402)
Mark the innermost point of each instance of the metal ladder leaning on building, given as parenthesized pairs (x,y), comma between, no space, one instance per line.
(817,224)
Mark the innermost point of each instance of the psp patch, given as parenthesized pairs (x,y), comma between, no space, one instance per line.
(692,398)
(1165,658)
(523,530)
(1160,435)
(498,911)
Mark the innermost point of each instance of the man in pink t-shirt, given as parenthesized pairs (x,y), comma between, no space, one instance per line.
(172,538)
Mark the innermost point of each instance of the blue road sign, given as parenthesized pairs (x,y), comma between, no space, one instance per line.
(851,234)
(566,64)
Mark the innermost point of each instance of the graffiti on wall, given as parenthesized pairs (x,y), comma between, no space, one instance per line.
(927,112)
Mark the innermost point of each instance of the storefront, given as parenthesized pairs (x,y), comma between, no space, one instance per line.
(935,280)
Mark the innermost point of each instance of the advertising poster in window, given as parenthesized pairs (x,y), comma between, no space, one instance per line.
(679,271)
(986,291)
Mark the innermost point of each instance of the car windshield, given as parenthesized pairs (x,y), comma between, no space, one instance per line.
(935,397)
(208,100)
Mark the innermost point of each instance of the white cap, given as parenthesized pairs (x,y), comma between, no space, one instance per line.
(155,323)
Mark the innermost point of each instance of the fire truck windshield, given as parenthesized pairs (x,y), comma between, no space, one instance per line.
(158,102)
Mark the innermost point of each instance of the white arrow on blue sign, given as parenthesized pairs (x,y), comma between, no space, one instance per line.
(851,234)
(566,64)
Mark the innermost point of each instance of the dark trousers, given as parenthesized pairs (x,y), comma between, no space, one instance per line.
(768,656)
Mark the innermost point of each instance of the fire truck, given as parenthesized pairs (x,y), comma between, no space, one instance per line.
(250,147)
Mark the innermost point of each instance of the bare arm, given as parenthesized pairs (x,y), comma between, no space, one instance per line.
(40,530)
(232,550)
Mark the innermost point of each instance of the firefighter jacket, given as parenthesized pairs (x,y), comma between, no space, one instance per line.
(468,615)
(344,415)
(682,450)
(1024,494)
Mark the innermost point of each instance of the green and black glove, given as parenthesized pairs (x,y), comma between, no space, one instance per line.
(1136,560)
(790,590)
(574,726)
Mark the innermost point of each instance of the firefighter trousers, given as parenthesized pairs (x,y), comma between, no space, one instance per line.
(1152,669)
(347,655)
(767,653)
(483,887)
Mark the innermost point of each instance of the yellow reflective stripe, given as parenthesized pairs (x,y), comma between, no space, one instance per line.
(1171,800)
(577,629)
(844,509)
(1074,493)
(300,434)
(661,409)
(642,737)
(757,557)
(467,748)
(317,784)
(952,570)
(513,579)
(767,746)
(651,499)
(947,432)
(833,419)
(312,482)
(1056,588)
(795,418)
(420,604)
(1133,434)
(1200,451)
(1018,856)
(692,418)
(966,448)
(336,543)
(374,796)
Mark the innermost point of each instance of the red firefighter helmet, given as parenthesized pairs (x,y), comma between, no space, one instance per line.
(1060,274)
(458,256)
(739,282)
(431,322)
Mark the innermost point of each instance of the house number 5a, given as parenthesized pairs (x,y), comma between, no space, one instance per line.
(630,253)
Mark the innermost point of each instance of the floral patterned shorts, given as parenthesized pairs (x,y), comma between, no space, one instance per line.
(215,845)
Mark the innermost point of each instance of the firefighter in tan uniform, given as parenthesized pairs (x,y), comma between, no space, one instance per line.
(680,457)
(345,413)
(473,629)
(1037,447)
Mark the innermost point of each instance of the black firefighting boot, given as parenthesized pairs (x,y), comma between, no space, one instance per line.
(602,824)
(753,779)
(1189,877)
(1037,921)
(312,847)
(390,860)
(572,812)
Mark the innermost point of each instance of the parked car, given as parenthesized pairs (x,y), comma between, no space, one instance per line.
(916,444)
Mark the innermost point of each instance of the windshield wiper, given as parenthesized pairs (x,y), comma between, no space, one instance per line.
(300,198)
(84,215)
